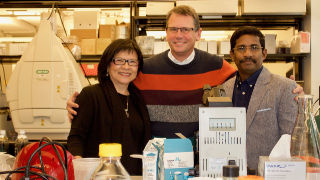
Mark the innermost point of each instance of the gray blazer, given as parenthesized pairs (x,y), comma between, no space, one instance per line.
(271,112)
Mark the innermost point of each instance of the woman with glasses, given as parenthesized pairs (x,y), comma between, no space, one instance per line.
(112,111)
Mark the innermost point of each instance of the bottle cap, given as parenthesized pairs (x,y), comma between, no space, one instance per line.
(110,150)
(230,171)
(231,162)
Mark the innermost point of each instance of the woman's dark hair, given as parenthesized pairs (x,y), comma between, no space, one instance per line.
(247,30)
(114,48)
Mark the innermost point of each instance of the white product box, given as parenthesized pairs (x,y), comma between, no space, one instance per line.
(271,43)
(212,47)
(167,159)
(301,43)
(202,45)
(158,8)
(85,20)
(212,7)
(150,159)
(274,7)
(176,158)
(224,47)
(290,169)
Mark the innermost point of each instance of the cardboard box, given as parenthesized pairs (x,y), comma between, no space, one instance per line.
(282,169)
(212,7)
(84,33)
(151,159)
(107,31)
(86,19)
(212,47)
(122,31)
(102,44)
(271,43)
(274,7)
(88,46)
(158,8)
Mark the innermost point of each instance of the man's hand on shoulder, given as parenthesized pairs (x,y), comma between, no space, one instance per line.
(71,105)
(298,90)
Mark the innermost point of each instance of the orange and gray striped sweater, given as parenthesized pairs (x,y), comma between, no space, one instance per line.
(173,93)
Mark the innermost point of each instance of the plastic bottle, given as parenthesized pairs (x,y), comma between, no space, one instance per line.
(110,167)
(305,139)
(4,143)
(20,142)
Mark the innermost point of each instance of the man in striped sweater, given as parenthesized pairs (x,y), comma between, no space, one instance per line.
(171,82)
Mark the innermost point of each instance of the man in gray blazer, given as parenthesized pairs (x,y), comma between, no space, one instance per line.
(268,98)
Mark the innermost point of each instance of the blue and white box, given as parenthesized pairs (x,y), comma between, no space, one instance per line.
(175,158)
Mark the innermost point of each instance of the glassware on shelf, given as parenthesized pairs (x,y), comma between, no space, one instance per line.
(305,137)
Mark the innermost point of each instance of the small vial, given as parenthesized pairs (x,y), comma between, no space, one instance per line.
(230,172)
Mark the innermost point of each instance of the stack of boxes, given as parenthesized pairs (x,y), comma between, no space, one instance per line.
(93,38)
(85,29)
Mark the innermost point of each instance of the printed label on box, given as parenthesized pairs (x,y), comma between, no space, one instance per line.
(178,160)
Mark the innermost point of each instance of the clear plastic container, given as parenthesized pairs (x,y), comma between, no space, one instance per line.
(305,137)
(110,167)
(84,167)
(4,142)
(20,142)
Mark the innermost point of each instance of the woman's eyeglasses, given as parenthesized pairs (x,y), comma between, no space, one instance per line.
(121,61)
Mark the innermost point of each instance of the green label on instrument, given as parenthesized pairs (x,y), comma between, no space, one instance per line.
(42,71)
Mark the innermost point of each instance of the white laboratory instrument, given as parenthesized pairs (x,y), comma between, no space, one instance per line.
(222,137)
(42,81)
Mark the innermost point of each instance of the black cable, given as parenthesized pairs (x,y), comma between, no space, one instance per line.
(27,172)
(46,139)
(31,172)
(52,9)
(38,149)
(315,102)
(23,167)
(62,22)
(84,72)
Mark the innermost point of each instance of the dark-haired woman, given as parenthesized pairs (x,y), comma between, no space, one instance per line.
(112,110)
